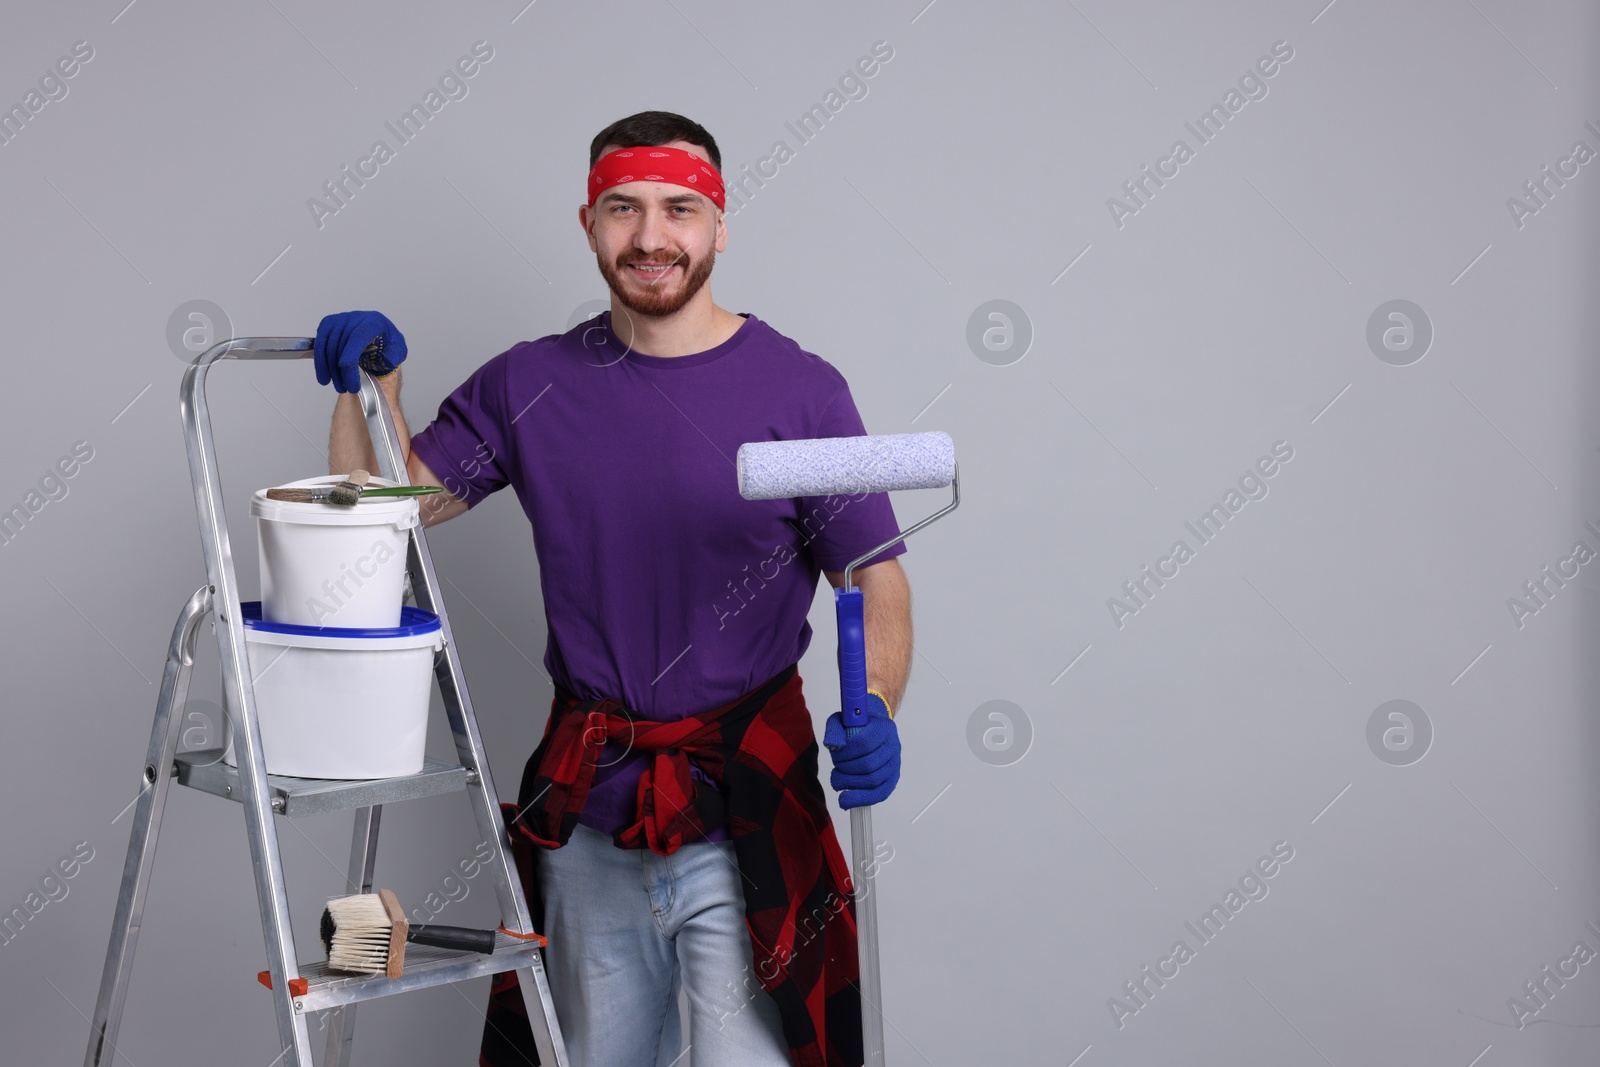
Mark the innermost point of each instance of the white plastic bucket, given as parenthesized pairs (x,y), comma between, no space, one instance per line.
(327,565)
(340,702)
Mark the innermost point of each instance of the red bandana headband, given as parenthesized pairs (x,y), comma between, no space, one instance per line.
(647,163)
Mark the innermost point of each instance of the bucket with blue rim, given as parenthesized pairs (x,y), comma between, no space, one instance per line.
(341,702)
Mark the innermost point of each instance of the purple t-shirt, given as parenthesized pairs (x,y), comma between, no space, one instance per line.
(663,587)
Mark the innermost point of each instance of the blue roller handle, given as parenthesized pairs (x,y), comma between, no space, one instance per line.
(848,607)
(852,658)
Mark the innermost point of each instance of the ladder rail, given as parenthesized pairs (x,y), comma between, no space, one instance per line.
(464,731)
(237,683)
(154,786)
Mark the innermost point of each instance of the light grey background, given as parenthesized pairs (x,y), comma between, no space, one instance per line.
(1229,313)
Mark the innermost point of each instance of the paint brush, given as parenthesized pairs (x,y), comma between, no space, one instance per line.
(367,933)
(347,493)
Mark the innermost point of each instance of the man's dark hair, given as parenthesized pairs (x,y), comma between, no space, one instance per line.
(654,128)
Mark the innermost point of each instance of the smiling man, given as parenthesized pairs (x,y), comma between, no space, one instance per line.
(671,823)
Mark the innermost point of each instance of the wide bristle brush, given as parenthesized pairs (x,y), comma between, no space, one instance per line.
(367,934)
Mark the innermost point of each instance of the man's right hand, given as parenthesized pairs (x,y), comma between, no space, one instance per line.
(350,341)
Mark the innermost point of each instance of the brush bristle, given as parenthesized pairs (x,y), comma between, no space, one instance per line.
(356,932)
(345,495)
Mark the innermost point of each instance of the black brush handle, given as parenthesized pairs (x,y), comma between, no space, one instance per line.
(457,937)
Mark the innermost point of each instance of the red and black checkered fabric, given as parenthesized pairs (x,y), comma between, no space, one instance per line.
(760,750)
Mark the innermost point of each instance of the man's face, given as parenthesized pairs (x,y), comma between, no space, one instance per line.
(643,225)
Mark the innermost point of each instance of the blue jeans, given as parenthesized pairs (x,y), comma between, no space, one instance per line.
(626,928)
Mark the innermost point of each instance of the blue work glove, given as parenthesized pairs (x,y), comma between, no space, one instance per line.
(351,339)
(866,765)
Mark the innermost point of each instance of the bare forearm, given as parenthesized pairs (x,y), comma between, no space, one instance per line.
(887,609)
(349,441)
(350,447)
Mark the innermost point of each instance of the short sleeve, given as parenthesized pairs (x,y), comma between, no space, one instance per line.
(468,445)
(842,527)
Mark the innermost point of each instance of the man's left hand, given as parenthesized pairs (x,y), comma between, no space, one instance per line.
(866,764)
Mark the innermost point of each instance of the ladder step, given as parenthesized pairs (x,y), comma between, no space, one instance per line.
(204,770)
(426,967)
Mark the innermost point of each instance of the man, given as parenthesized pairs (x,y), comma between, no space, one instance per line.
(671,824)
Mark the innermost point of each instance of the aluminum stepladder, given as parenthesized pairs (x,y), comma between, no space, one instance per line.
(299,989)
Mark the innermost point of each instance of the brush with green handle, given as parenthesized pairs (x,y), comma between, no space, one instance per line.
(348,492)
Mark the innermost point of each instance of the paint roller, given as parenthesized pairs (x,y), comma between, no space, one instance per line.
(770,470)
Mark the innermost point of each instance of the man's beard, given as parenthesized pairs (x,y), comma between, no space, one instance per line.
(645,297)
